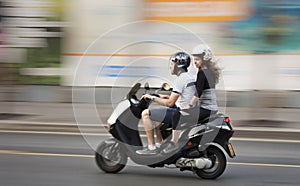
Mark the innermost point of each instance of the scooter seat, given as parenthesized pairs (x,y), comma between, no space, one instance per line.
(207,119)
(201,122)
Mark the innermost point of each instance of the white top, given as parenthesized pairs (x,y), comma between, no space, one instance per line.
(185,86)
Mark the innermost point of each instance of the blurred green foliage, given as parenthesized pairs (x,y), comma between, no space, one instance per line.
(48,57)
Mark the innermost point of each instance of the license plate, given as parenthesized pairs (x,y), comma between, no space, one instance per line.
(231,151)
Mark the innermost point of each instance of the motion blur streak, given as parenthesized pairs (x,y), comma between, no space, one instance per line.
(44,154)
(12,152)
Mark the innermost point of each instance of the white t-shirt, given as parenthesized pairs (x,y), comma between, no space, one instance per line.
(184,85)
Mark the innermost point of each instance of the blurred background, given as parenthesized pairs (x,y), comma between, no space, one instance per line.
(49,46)
(58,57)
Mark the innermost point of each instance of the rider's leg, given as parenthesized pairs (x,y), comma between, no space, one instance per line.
(175,135)
(173,145)
(159,138)
(148,125)
(175,131)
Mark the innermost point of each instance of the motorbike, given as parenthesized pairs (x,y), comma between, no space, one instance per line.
(204,146)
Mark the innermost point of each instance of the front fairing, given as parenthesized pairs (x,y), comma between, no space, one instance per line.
(120,108)
(124,123)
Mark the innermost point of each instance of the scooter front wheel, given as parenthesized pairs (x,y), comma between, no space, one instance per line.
(218,164)
(110,158)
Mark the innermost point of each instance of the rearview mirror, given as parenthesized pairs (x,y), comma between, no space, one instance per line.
(134,90)
(165,87)
(146,86)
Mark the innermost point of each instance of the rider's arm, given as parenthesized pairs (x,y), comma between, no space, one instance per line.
(192,102)
(199,88)
(170,102)
(200,83)
(163,96)
(179,86)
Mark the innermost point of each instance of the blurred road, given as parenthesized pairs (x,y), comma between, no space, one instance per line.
(41,144)
(65,159)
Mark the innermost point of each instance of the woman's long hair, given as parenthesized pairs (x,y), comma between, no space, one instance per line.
(215,69)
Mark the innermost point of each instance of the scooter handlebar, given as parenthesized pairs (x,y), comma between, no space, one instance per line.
(155,95)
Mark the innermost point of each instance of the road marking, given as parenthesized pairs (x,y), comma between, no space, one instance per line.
(167,55)
(265,140)
(264,164)
(15,152)
(53,133)
(142,135)
(14,122)
(266,129)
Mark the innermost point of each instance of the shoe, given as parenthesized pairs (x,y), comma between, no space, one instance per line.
(147,151)
(158,145)
(170,148)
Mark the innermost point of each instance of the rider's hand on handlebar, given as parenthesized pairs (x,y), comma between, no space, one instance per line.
(147,97)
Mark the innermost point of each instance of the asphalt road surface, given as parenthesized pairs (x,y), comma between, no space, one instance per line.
(32,158)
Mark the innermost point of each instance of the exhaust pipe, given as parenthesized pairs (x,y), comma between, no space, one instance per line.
(200,163)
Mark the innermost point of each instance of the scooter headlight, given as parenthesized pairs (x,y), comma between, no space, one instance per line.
(134,101)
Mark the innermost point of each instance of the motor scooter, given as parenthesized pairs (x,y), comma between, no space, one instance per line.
(203,147)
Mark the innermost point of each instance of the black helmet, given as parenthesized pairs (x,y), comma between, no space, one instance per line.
(181,59)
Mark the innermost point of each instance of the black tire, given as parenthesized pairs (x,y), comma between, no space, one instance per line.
(110,158)
(218,164)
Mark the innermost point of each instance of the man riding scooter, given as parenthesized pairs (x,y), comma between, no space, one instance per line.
(183,92)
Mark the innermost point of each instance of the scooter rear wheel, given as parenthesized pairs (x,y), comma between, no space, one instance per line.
(218,164)
(110,158)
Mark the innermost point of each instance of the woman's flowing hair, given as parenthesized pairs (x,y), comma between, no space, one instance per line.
(213,66)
